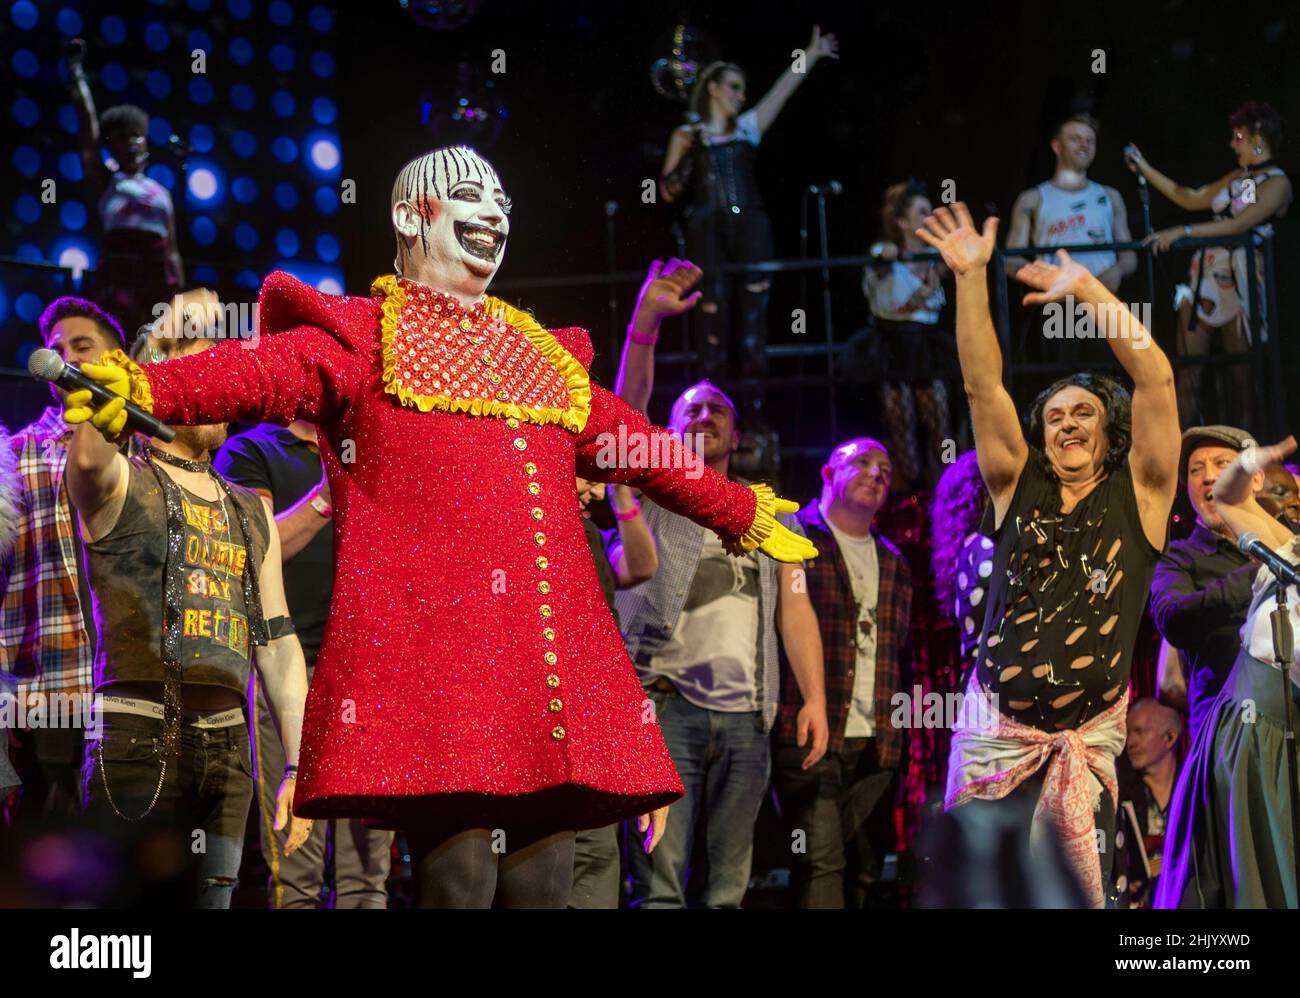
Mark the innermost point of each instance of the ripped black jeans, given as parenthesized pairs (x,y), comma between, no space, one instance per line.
(202,799)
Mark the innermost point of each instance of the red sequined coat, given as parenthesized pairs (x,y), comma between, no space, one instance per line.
(469,651)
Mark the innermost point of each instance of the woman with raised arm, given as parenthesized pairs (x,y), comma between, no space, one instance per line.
(1080,516)
(1229,842)
(1245,198)
(710,161)
(140,265)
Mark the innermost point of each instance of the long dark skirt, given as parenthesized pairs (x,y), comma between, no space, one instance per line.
(1228,843)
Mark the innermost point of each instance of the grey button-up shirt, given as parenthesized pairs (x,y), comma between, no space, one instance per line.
(650,611)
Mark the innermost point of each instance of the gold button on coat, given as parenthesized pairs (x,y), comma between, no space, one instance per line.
(539,538)
(557,732)
(534,488)
(549,634)
(542,562)
(555,706)
(544,610)
(552,681)
(521,444)
(543,587)
(536,513)
(551,659)
(530,468)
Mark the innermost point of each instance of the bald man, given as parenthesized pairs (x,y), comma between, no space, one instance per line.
(861,588)
(1147,774)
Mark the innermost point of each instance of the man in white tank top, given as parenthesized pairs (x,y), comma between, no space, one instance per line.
(1070,209)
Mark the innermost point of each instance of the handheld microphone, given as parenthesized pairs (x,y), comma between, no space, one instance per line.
(46,365)
(831,187)
(179,144)
(1250,544)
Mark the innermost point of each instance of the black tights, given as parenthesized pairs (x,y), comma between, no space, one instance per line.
(472,867)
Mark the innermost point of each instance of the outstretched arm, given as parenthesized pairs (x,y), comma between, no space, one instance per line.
(655,461)
(1153,457)
(1234,498)
(821,46)
(1000,444)
(1187,198)
(665,292)
(87,119)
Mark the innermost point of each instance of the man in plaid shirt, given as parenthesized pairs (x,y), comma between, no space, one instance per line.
(861,588)
(47,635)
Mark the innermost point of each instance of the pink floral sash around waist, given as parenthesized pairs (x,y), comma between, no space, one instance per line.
(992,754)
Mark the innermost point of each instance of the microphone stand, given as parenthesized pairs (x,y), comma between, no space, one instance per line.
(1283,650)
(1144,195)
(826,305)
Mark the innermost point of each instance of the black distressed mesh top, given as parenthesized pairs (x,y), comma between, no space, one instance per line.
(1065,600)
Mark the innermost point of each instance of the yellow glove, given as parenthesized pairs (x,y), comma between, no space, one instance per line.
(768,534)
(120,375)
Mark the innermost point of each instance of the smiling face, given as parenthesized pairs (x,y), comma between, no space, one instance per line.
(857,477)
(727,93)
(1075,146)
(706,413)
(1074,433)
(451,218)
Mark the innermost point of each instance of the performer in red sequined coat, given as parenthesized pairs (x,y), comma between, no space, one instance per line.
(471,677)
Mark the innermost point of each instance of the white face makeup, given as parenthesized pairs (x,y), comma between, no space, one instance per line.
(451,218)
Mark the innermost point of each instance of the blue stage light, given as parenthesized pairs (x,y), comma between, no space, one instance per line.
(280,13)
(206,185)
(321,19)
(323,155)
(68,119)
(4,317)
(200,90)
(26,112)
(77,253)
(241,50)
(113,76)
(282,103)
(286,195)
(327,248)
(243,143)
(240,10)
(28,306)
(24,14)
(243,190)
(199,40)
(284,149)
(69,22)
(162,173)
(242,97)
(199,5)
(113,28)
(204,230)
(327,200)
(156,36)
(247,279)
(70,167)
(27,208)
(324,111)
(72,216)
(158,83)
(202,138)
(286,242)
(246,236)
(25,63)
(322,64)
(282,57)
(30,252)
(204,275)
(27,161)
(160,130)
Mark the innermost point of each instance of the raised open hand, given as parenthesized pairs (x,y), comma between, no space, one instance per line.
(666,287)
(1053,281)
(823,45)
(952,233)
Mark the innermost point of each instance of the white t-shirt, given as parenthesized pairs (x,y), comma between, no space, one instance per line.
(863,563)
(712,654)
